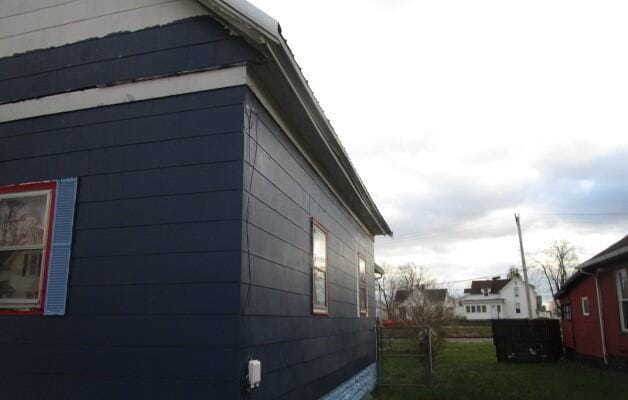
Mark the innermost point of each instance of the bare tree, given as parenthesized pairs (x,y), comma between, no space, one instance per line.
(406,277)
(513,272)
(413,276)
(387,286)
(559,262)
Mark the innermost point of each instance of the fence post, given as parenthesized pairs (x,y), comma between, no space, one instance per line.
(429,355)
(378,340)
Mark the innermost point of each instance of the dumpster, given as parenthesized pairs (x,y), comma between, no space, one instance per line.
(527,340)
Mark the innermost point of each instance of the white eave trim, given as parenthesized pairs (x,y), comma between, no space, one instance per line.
(124,93)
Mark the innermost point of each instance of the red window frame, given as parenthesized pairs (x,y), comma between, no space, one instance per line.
(318,310)
(362,312)
(32,187)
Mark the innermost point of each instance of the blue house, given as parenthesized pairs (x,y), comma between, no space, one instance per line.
(175,209)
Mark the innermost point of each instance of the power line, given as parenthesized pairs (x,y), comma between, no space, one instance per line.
(417,235)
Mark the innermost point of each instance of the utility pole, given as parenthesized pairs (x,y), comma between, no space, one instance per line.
(523,265)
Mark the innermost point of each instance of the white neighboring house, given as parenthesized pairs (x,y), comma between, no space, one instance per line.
(437,299)
(497,299)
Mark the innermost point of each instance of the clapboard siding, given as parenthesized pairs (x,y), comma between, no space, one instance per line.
(122,330)
(191,45)
(12,8)
(188,32)
(147,361)
(200,267)
(183,208)
(63,387)
(303,356)
(131,116)
(31,26)
(154,290)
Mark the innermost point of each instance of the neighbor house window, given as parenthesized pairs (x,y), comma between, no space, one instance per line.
(24,232)
(516,291)
(585,306)
(472,309)
(319,269)
(362,301)
(566,308)
(518,308)
(483,308)
(622,295)
(468,309)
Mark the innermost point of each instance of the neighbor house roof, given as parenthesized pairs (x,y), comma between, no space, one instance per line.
(494,286)
(432,295)
(435,295)
(616,251)
(401,295)
(300,107)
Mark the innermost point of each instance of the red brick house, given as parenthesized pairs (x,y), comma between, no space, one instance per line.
(594,303)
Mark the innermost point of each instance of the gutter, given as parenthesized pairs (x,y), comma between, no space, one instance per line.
(601,317)
(600,314)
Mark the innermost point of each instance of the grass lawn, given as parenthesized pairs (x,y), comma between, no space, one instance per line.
(466,371)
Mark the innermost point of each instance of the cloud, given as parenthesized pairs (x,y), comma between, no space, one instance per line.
(457,114)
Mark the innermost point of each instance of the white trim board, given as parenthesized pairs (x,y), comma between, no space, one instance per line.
(124,93)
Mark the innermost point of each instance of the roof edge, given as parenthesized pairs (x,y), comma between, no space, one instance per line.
(265,31)
(587,267)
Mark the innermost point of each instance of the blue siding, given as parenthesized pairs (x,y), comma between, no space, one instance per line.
(188,45)
(153,296)
(303,356)
(160,302)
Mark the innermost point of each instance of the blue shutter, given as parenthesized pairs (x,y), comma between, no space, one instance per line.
(59,266)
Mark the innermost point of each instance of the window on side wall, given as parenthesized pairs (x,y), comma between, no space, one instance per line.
(622,295)
(585,306)
(28,273)
(319,269)
(518,308)
(566,311)
(362,299)
(516,291)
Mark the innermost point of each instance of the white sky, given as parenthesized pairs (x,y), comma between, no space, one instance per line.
(456,114)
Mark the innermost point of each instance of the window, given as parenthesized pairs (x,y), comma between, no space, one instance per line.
(468,309)
(472,309)
(485,291)
(319,269)
(585,306)
(483,308)
(24,233)
(34,260)
(516,291)
(518,308)
(622,294)
(362,301)
(566,310)
(499,308)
